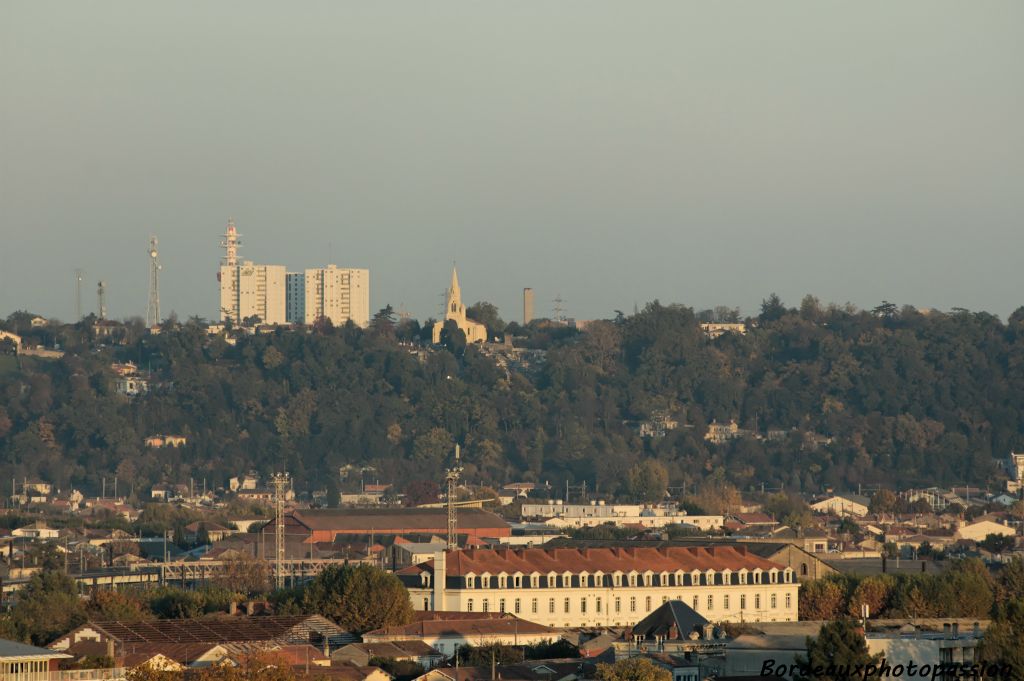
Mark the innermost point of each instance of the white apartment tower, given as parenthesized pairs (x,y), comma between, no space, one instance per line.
(249,290)
(339,294)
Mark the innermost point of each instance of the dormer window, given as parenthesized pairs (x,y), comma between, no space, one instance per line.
(648,579)
(710,577)
(470,581)
(663,579)
(632,578)
(551,580)
(743,576)
(584,580)
(616,579)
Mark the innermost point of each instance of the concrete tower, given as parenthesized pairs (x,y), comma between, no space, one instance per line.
(527,306)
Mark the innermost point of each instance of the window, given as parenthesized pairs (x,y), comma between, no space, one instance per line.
(647,579)
(469,605)
(616,579)
(789,602)
(757,601)
(725,601)
(470,582)
(517,581)
(632,603)
(551,606)
(694,603)
(502,582)
(774,601)
(597,605)
(551,581)
(711,602)
(743,602)
(501,605)
(426,604)
(516,606)
(664,600)
(487,606)
(647,602)
(618,604)
(567,607)
(566,580)
(583,606)
(584,580)
(803,569)
(632,579)
(743,578)
(533,606)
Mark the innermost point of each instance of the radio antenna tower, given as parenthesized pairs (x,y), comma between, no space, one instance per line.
(230,244)
(153,307)
(280,481)
(79,276)
(101,298)
(559,308)
(452,479)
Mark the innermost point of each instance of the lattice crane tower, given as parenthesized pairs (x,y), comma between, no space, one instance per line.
(452,479)
(280,481)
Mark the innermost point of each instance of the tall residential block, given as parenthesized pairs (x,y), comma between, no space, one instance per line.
(295,298)
(339,294)
(250,290)
(527,306)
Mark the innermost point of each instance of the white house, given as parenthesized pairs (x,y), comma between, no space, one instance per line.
(842,505)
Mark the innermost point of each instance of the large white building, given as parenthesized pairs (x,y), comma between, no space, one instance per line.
(568,587)
(339,294)
(250,290)
(557,514)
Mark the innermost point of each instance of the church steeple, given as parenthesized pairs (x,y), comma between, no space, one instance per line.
(454,296)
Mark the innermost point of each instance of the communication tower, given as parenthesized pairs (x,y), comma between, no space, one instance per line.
(280,481)
(153,306)
(452,479)
(230,243)
(79,276)
(559,308)
(101,299)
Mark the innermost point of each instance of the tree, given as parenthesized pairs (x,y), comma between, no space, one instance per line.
(419,492)
(882,501)
(997,543)
(772,309)
(487,314)
(245,574)
(633,669)
(648,481)
(453,338)
(837,650)
(383,322)
(488,655)
(116,605)
(873,592)
(821,599)
(359,598)
(47,607)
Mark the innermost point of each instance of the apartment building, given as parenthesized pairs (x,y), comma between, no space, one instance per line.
(567,587)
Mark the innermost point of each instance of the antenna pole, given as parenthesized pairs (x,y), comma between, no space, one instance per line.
(452,480)
(280,482)
(153,306)
(79,276)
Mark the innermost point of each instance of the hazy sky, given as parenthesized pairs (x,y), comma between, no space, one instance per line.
(613,152)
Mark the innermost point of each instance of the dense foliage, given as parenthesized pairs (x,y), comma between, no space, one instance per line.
(906,398)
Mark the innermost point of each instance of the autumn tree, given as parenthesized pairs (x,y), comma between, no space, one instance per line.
(838,649)
(821,599)
(47,607)
(648,481)
(358,597)
(633,669)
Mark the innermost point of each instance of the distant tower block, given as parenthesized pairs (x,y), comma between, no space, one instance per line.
(153,306)
(101,299)
(230,244)
(527,306)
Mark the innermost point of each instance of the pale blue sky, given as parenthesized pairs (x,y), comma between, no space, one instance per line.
(614,152)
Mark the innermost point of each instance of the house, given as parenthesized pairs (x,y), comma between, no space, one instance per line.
(722,432)
(37,530)
(131,386)
(446,635)
(10,343)
(842,505)
(249,481)
(714,330)
(977,531)
(214,531)
(414,649)
(604,587)
(159,441)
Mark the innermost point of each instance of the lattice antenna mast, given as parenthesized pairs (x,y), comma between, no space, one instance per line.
(153,306)
(452,480)
(280,481)
(101,299)
(230,242)
(559,308)
(79,276)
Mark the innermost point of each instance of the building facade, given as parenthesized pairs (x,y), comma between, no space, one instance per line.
(249,290)
(338,294)
(606,586)
(295,297)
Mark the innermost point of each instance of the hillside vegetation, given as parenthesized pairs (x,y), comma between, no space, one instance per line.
(905,398)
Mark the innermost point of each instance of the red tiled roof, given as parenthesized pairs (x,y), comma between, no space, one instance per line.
(463,628)
(606,560)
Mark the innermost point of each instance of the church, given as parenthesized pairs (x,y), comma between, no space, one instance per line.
(456,311)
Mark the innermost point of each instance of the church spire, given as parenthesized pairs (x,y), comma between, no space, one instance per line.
(454,290)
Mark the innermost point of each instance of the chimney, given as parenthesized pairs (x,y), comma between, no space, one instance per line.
(232,608)
(110,648)
(709,631)
(956,630)
(440,577)
(250,608)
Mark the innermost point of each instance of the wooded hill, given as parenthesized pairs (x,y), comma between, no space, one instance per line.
(905,398)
